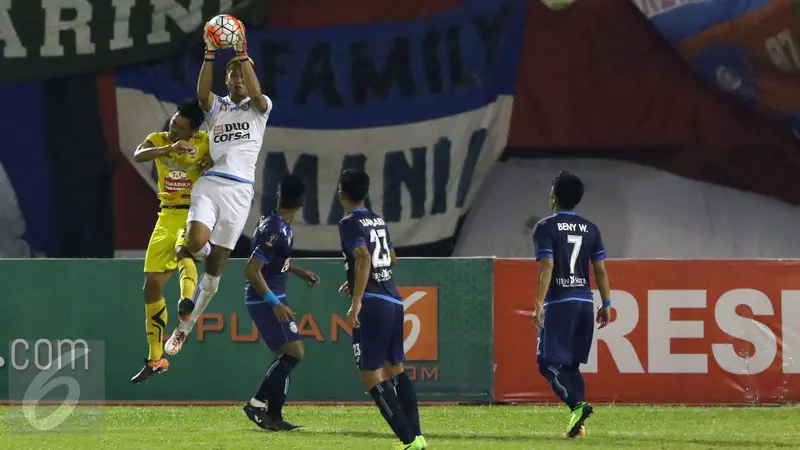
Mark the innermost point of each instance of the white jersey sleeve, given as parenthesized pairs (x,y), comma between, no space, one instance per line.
(269,105)
(215,107)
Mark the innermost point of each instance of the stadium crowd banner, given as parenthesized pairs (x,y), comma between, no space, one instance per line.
(448,330)
(590,111)
(423,106)
(746,47)
(683,331)
(46,39)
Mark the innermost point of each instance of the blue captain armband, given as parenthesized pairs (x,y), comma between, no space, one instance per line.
(607,303)
(271,298)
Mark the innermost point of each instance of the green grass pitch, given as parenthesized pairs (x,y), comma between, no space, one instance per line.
(445,427)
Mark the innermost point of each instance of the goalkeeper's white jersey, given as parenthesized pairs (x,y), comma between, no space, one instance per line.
(235,135)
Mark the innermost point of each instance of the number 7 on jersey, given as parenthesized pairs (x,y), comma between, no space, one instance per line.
(576,241)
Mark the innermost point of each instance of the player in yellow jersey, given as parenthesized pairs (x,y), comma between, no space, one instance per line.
(180,155)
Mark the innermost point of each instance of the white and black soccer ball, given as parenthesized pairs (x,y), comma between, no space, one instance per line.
(224,31)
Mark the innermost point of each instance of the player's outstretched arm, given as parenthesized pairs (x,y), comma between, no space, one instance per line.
(204,95)
(148,152)
(308,276)
(251,83)
(394,256)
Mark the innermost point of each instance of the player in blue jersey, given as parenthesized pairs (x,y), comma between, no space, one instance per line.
(565,243)
(265,297)
(376,314)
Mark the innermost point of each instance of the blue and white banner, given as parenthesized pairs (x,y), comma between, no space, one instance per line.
(423,106)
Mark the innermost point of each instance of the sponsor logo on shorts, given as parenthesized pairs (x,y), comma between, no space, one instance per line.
(421,337)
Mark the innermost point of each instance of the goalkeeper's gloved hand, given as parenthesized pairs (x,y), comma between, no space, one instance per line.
(241,44)
(211,47)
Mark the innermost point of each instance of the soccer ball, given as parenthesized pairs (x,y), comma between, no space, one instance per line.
(224,30)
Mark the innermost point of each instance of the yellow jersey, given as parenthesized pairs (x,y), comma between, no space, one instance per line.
(178,173)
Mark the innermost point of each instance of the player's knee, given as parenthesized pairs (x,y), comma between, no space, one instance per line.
(547,369)
(197,235)
(392,371)
(371,378)
(215,264)
(295,350)
(194,245)
(152,290)
(184,253)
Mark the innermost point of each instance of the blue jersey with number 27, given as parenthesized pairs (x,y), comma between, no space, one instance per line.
(572,242)
(362,227)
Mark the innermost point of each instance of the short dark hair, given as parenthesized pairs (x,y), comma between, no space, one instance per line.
(568,190)
(292,191)
(190,109)
(354,185)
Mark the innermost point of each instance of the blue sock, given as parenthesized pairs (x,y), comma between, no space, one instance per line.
(386,399)
(578,385)
(408,398)
(560,380)
(275,387)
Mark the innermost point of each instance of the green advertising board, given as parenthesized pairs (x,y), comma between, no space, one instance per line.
(448,330)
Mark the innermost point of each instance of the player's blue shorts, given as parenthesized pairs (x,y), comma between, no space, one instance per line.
(567,334)
(379,339)
(272,332)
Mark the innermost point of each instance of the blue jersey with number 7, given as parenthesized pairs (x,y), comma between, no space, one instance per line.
(572,242)
(362,227)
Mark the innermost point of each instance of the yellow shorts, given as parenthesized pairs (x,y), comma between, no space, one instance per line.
(160,256)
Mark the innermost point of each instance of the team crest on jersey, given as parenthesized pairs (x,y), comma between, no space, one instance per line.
(225,106)
(287,232)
